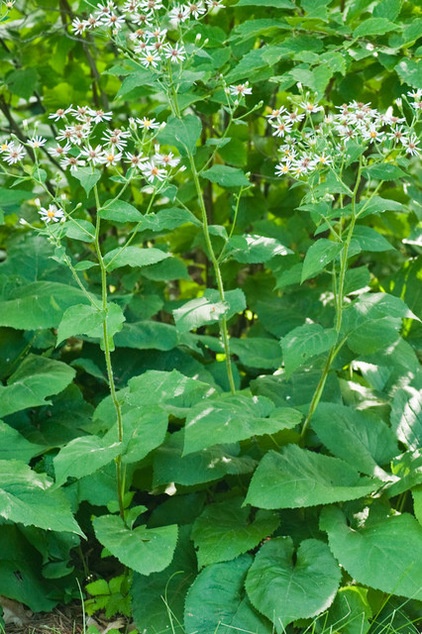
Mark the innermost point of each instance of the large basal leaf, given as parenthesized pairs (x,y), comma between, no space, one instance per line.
(155,595)
(406,416)
(296,477)
(35,379)
(301,344)
(234,417)
(89,320)
(39,305)
(134,257)
(225,530)
(318,256)
(26,498)
(216,601)
(363,441)
(286,586)
(83,456)
(385,555)
(141,549)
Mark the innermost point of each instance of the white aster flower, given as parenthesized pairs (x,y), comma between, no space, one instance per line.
(14,153)
(151,171)
(51,214)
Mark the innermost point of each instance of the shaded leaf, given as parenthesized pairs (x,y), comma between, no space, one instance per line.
(295,478)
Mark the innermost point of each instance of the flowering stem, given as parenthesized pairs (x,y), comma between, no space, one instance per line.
(107,355)
(217,272)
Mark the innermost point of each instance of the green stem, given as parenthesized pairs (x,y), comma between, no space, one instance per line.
(217,272)
(107,355)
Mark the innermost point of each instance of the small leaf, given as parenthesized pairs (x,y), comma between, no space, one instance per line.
(79,229)
(318,256)
(305,342)
(296,478)
(370,240)
(375,26)
(83,456)
(89,320)
(134,257)
(410,72)
(224,531)
(141,549)
(384,555)
(383,172)
(286,590)
(147,335)
(251,249)
(119,211)
(87,177)
(226,176)
(183,133)
(208,309)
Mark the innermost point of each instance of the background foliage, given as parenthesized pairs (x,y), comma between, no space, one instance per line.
(277,492)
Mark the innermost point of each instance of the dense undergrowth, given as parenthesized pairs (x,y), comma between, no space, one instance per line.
(210,305)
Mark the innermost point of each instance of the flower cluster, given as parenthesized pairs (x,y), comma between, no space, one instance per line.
(150,22)
(87,139)
(309,144)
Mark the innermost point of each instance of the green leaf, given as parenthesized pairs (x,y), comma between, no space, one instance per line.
(35,379)
(257,352)
(79,229)
(383,172)
(141,549)
(279,4)
(89,320)
(119,211)
(375,26)
(134,257)
(362,440)
(183,133)
(318,256)
(384,555)
(389,9)
(406,416)
(149,610)
(147,335)
(39,305)
(144,429)
(197,468)
(286,587)
(22,82)
(87,177)
(377,205)
(350,612)
(216,601)
(305,342)
(208,309)
(83,456)
(224,531)
(295,478)
(14,446)
(410,72)
(254,249)
(368,239)
(226,176)
(26,498)
(234,417)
